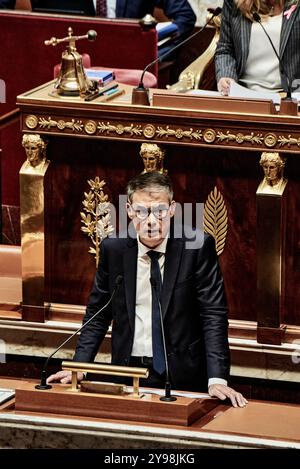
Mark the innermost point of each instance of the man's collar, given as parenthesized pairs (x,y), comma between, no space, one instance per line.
(142,249)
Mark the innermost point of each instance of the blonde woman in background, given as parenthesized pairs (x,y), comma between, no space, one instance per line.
(244,52)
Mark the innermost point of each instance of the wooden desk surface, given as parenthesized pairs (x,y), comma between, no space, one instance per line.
(259,425)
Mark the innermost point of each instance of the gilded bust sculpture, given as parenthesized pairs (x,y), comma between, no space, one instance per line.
(153,158)
(273,166)
(35,149)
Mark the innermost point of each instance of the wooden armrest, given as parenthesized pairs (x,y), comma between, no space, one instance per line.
(191,76)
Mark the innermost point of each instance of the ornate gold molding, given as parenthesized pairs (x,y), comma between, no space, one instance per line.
(119,128)
(163,132)
(239,137)
(60,124)
(96,216)
(289,140)
(215,219)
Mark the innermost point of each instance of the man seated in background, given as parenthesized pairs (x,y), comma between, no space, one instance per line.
(178,11)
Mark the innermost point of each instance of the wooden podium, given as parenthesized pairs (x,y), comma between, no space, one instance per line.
(148,408)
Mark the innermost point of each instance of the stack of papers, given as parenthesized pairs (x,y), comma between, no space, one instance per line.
(6,394)
(238,91)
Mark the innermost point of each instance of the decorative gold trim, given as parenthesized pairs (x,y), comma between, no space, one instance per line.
(209,135)
(61,124)
(270,140)
(90,127)
(96,216)
(120,129)
(239,137)
(149,131)
(31,122)
(215,219)
(178,133)
(288,141)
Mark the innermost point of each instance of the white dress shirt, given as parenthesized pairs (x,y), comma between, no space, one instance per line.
(111,8)
(142,341)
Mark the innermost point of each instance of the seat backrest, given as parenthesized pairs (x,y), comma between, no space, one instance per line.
(10,274)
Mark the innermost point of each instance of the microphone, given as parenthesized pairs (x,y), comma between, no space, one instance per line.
(43,384)
(167,397)
(286,80)
(140,94)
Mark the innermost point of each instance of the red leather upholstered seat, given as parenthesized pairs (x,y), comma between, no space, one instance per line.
(123,75)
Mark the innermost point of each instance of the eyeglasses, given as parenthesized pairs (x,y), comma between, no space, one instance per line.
(159,212)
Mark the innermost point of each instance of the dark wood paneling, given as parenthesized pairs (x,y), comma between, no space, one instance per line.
(70,269)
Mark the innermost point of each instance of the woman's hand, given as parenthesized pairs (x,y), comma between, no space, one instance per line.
(224,85)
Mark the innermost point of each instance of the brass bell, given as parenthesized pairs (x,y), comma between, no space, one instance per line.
(72,79)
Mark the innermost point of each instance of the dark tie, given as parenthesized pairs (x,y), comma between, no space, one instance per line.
(157,341)
(101,8)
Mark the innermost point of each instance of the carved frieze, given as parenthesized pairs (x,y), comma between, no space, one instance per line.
(163,132)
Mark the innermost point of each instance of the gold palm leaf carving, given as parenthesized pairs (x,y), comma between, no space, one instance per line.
(215,219)
(96,216)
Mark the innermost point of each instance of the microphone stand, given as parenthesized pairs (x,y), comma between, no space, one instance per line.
(167,397)
(140,95)
(288,105)
(43,384)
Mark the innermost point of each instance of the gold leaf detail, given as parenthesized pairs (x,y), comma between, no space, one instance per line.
(96,216)
(215,219)
(240,138)
(61,124)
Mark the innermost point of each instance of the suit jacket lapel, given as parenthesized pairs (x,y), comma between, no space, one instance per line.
(172,262)
(121,8)
(130,271)
(245,40)
(286,29)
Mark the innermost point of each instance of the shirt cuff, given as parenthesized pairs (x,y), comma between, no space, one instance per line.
(217,381)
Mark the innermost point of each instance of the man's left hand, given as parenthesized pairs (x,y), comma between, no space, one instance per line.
(223,392)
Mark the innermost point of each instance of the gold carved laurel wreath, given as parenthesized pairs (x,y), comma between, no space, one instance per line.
(96,216)
(215,219)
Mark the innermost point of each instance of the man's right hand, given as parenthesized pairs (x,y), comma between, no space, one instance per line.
(64,377)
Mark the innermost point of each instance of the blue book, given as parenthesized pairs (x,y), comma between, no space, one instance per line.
(165,29)
(101,76)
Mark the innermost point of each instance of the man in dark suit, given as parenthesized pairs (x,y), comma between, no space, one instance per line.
(179,11)
(9,4)
(192,298)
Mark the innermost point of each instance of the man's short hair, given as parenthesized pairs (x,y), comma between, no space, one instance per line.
(151,180)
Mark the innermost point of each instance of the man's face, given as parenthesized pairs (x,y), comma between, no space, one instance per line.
(151,226)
